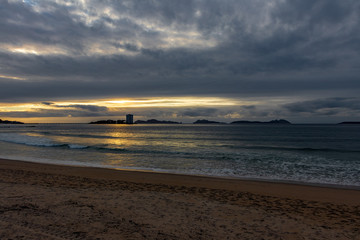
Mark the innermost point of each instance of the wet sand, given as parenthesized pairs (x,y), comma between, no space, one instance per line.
(41,201)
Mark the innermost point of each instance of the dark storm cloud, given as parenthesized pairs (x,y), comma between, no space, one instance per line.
(246,112)
(55,113)
(74,110)
(249,107)
(20,24)
(117,76)
(90,108)
(329,106)
(47,103)
(246,48)
(199,112)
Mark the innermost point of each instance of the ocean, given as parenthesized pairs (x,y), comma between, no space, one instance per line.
(312,154)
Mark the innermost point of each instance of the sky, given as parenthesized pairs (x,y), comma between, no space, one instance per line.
(224,60)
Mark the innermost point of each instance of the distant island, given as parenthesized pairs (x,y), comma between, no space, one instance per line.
(109,122)
(150,121)
(277,121)
(10,122)
(154,121)
(204,121)
(349,123)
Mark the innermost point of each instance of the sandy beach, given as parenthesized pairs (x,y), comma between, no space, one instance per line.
(41,201)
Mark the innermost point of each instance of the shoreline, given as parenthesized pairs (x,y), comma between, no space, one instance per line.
(46,201)
(278,188)
(160,171)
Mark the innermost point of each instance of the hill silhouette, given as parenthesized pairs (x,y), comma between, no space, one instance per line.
(276,121)
(10,122)
(155,121)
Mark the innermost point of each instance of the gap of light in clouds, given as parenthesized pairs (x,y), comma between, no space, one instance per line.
(219,60)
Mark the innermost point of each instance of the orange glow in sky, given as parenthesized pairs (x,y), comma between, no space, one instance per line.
(40,112)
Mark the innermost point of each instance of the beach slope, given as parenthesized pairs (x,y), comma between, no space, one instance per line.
(41,201)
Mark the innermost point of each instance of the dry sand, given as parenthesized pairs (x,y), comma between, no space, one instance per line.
(40,201)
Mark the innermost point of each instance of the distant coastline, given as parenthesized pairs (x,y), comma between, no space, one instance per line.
(276,121)
(10,122)
(344,123)
(155,121)
(204,121)
(150,121)
(108,122)
(199,121)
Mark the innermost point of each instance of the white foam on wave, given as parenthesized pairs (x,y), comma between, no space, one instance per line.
(266,163)
(26,139)
(55,162)
(75,146)
(36,140)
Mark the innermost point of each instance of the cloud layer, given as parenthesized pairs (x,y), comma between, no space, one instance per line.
(51,50)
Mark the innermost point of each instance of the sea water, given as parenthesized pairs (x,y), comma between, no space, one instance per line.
(324,154)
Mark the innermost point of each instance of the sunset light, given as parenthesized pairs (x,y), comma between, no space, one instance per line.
(179,119)
(85,110)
